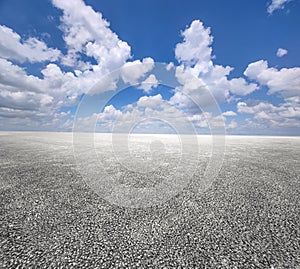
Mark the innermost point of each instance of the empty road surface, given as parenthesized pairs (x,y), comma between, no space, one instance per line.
(50,217)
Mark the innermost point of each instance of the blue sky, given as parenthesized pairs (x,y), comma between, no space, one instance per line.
(246,53)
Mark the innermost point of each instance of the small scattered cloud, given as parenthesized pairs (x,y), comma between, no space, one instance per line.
(281,52)
(229,113)
(170,66)
(276,4)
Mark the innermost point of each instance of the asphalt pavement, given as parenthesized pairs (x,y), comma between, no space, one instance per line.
(50,218)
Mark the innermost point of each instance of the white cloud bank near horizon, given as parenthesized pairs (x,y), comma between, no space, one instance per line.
(35,102)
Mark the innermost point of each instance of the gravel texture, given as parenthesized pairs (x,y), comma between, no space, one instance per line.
(49,217)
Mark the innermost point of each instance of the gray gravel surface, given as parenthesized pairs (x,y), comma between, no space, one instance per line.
(49,217)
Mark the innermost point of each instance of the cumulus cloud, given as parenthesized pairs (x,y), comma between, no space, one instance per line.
(285,80)
(229,113)
(276,4)
(24,100)
(55,89)
(149,83)
(149,113)
(15,78)
(109,116)
(131,72)
(103,122)
(240,86)
(18,90)
(195,48)
(286,114)
(74,84)
(196,59)
(150,101)
(85,31)
(37,101)
(281,52)
(243,107)
(32,50)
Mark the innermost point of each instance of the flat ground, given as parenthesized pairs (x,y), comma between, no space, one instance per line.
(50,218)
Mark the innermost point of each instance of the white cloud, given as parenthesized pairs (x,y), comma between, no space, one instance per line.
(243,107)
(149,83)
(109,113)
(85,31)
(232,125)
(180,100)
(21,91)
(73,84)
(24,100)
(276,4)
(150,101)
(206,119)
(285,80)
(195,56)
(149,113)
(195,48)
(286,114)
(255,69)
(131,72)
(170,66)
(32,49)
(229,113)
(54,90)
(281,52)
(106,83)
(189,81)
(103,122)
(14,78)
(34,101)
(240,86)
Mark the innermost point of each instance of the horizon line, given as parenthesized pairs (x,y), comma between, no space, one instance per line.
(197,134)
